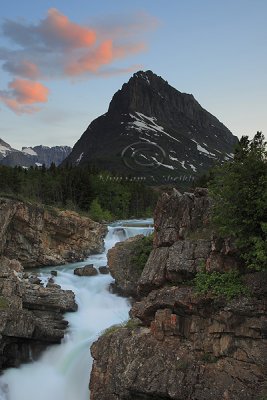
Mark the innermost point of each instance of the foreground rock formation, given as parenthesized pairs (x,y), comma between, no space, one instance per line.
(37,236)
(31,316)
(181,345)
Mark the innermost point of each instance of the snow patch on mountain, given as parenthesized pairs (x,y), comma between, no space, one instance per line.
(203,150)
(29,151)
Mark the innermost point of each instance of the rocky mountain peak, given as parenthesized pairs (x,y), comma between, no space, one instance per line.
(4,144)
(153,130)
(150,94)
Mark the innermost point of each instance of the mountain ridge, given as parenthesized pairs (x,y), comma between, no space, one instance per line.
(32,155)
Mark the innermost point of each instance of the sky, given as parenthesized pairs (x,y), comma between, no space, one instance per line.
(61,61)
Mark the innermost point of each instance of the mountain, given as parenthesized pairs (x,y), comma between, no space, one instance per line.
(32,156)
(5,149)
(153,131)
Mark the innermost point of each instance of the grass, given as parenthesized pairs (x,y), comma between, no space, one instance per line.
(130,324)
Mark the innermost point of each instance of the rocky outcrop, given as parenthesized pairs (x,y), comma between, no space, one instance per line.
(176,216)
(123,268)
(38,236)
(31,316)
(186,346)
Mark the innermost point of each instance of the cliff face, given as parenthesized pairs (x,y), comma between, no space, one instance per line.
(36,236)
(182,345)
(31,316)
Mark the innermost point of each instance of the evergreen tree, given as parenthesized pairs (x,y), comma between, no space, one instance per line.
(239,191)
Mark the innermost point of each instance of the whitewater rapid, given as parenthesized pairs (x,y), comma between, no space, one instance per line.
(62,372)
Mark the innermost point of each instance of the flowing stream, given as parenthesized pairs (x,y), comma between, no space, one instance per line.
(62,372)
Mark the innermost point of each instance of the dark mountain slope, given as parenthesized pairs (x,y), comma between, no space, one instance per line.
(152,130)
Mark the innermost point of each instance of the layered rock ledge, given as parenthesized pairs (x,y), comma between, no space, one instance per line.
(38,236)
(181,345)
(31,316)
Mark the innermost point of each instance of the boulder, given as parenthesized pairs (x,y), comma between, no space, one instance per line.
(88,270)
(103,270)
(123,268)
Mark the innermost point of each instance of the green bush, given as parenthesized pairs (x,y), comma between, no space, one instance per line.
(98,214)
(227,284)
(142,252)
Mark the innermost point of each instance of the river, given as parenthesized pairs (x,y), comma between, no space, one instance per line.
(62,372)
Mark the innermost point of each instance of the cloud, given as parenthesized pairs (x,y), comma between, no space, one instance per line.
(23,68)
(106,53)
(23,95)
(58,48)
(57,29)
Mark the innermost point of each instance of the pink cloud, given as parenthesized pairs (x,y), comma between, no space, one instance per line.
(56,28)
(23,95)
(104,54)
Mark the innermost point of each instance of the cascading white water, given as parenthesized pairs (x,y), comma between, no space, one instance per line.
(62,373)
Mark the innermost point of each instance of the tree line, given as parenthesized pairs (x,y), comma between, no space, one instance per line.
(83,189)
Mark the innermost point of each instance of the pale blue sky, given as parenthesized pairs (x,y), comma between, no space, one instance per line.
(214,49)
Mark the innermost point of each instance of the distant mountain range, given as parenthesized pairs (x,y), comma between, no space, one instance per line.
(152,130)
(32,156)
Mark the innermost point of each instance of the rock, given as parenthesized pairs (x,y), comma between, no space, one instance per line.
(154,273)
(88,270)
(31,316)
(176,216)
(49,299)
(53,273)
(37,236)
(257,283)
(122,268)
(104,270)
(34,280)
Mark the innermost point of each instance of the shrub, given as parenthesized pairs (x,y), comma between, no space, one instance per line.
(227,284)
(142,251)
(98,214)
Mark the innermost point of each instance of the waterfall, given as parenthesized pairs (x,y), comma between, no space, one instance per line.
(62,372)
